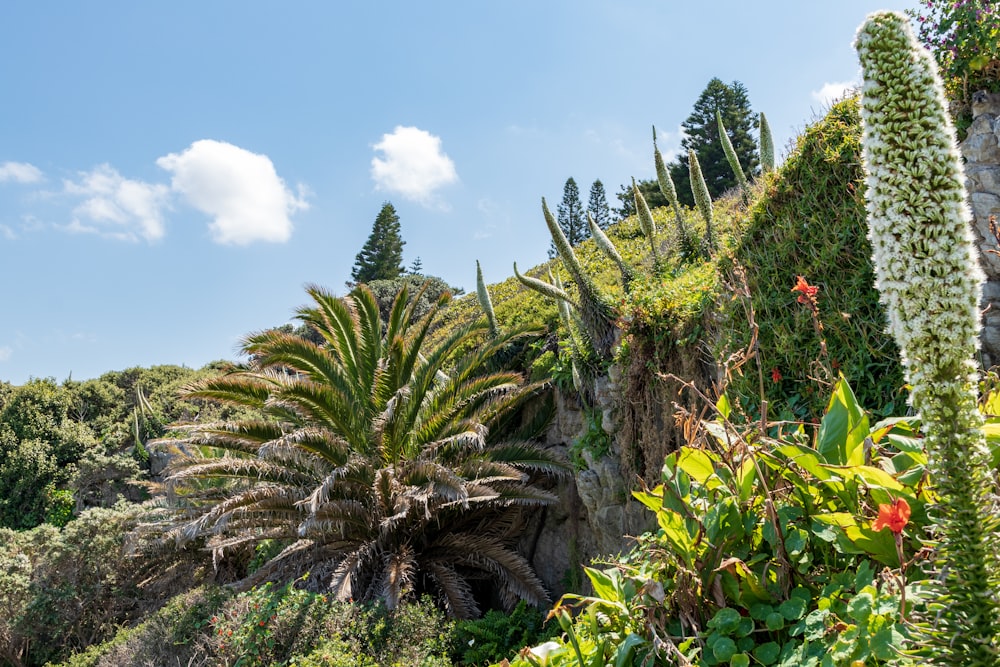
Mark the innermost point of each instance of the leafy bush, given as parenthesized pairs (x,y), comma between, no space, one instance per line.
(498,635)
(768,550)
(809,220)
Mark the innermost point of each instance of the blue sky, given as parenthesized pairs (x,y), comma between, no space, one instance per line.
(172,174)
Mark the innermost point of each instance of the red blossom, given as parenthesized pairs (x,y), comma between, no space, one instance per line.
(807,292)
(775,375)
(893,516)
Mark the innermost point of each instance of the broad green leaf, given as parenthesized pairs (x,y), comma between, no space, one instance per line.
(607,585)
(723,406)
(697,463)
(626,650)
(873,477)
(746,475)
(844,427)
(726,621)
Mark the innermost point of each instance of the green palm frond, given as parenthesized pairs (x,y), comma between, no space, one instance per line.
(372,452)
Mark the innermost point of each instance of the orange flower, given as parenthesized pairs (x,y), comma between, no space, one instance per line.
(807,292)
(893,516)
(775,375)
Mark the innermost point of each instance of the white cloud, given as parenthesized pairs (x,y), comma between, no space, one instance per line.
(19,172)
(414,164)
(5,353)
(116,206)
(832,91)
(239,189)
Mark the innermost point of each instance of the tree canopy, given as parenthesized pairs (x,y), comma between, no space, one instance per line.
(381,258)
(571,217)
(597,205)
(702,130)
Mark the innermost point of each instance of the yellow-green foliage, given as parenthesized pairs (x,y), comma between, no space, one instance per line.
(809,220)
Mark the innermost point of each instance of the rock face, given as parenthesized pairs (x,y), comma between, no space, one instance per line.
(596,515)
(981,150)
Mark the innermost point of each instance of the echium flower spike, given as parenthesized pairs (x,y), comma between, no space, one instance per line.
(543,288)
(596,311)
(766,145)
(646,221)
(668,189)
(702,199)
(605,244)
(727,148)
(928,275)
(485,301)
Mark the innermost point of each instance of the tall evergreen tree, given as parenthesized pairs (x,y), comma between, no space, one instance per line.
(571,216)
(597,205)
(702,130)
(381,258)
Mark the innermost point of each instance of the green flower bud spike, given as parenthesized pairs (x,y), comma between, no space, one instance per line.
(485,301)
(605,244)
(543,287)
(766,145)
(702,199)
(596,311)
(645,220)
(930,281)
(727,148)
(667,187)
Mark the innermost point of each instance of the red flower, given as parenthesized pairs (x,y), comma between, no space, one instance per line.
(893,516)
(807,292)
(775,375)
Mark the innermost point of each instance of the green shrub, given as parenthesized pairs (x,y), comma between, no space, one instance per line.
(498,635)
(809,220)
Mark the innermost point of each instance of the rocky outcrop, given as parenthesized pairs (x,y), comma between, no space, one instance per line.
(981,150)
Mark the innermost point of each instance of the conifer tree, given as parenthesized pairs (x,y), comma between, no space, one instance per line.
(381,258)
(571,216)
(702,129)
(597,205)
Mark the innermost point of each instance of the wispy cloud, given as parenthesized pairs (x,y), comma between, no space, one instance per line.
(117,207)
(20,172)
(5,352)
(413,165)
(832,91)
(240,190)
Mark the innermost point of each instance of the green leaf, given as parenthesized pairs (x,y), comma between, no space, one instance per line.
(746,476)
(774,621)
(725,621)
(793,609)
(724,649)
(767,654)
(860,606)
(723,406)
(740,660)
(844,428)
(607,584)
(626,650)
(697,463)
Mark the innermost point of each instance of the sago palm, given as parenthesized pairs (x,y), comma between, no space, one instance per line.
(372,459)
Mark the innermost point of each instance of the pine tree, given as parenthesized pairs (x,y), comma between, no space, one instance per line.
(571,216)
(702,130)
(597,205)
(382,255)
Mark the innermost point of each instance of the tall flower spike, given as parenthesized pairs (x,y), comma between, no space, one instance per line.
(544,288)
(605,244)
(485,301)
(702,199)
(668,189)
(596,312)
(727,148)
(766,145)
(929,278)
(645,220)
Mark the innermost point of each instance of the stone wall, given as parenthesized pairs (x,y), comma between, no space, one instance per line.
(981,150)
